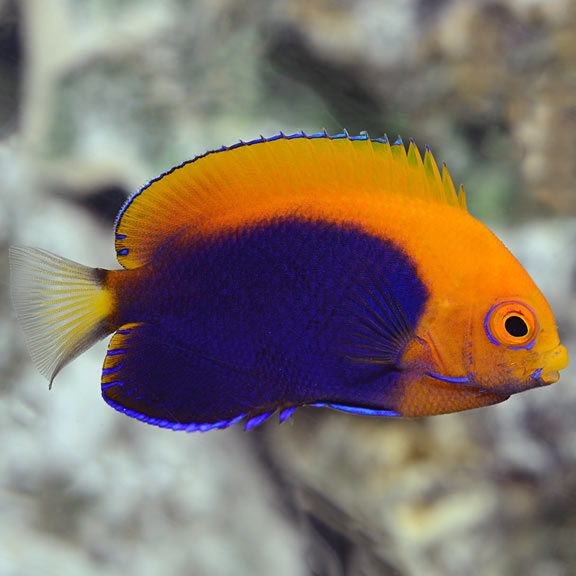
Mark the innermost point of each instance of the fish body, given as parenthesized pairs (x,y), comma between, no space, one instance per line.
(304,270)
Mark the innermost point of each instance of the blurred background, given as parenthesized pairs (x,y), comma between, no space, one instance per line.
(99,96)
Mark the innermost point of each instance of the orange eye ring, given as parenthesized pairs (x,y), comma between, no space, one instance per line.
(512,324)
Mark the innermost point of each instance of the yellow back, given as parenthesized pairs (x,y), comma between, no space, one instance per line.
(279,169)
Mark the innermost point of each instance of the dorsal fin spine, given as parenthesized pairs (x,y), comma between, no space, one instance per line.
(353,157)
(384,166)
(398,160)
(462,198)
(368,159)
(449,191)
(418,185)
(433,177)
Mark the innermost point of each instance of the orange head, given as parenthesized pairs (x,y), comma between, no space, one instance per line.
(487,333)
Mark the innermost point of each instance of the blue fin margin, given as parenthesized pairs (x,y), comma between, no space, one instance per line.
(250,424)
(188,427)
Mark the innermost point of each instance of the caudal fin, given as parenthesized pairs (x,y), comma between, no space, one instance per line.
(63,306)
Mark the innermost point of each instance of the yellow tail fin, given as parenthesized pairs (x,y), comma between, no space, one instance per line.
(63,306)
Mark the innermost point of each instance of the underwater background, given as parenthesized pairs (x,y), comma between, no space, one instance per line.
(99,96)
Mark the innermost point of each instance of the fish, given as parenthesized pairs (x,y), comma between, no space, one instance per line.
(299,270)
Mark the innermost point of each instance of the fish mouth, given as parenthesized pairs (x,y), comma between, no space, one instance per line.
(549,373)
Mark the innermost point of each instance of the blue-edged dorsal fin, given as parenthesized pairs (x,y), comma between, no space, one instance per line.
(277,168)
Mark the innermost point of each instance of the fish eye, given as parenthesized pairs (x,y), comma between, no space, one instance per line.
(516,326)
(512,324)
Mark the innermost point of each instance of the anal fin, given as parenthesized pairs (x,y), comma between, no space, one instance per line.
(148,376)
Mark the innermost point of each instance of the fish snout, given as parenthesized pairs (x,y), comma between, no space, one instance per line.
(558,361)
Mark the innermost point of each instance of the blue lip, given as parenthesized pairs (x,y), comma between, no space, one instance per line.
(536,373)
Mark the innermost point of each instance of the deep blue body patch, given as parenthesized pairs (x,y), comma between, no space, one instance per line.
(279,314)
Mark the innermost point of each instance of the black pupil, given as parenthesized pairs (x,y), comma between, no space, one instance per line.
(515,326)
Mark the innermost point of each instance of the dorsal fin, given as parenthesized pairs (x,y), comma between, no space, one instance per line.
(294,166)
